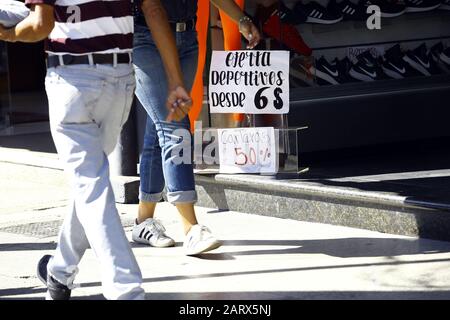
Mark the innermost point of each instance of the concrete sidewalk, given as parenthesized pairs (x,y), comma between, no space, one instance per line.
(262,257)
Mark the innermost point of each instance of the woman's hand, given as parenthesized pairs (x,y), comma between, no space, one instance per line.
(249,32)
(179,103)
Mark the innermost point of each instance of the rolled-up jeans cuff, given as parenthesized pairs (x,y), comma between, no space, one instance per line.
(150,197)
(182,196)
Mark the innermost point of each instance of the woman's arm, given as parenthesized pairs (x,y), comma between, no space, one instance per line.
(246,26)
(178,101)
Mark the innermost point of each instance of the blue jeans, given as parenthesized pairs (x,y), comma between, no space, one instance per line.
(88,106)
(157,168)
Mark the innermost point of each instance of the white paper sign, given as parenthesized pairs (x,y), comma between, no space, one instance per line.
(251,81)
(248,150)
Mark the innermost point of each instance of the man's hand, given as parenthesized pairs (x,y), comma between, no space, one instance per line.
(6,34)
(178,103)
(250,32)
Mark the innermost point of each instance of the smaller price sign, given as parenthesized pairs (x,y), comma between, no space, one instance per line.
(247,150)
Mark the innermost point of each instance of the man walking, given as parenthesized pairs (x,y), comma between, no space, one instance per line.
(90,85)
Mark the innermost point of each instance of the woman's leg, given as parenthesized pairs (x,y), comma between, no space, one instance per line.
(150,168)
(175,141)
(149,74)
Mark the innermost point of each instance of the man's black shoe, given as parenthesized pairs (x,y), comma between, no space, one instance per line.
(55,289)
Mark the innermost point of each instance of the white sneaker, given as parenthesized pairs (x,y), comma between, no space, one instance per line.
(151,232)
(199,239)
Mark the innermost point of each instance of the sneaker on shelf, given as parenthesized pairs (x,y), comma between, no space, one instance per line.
(55,289)
(151,232)
(200,239)
(343,66)
(437,67)
(445,5)
(316,13)
(365,69)
(290,16)
(422,5)
(285,14)
(445,57)
(394,66)
(299,72)
(285,33)
(389,8)
(326,73)
(436,51)
(419,59)
(349,10)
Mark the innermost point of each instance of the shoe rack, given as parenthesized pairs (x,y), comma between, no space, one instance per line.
(384,111)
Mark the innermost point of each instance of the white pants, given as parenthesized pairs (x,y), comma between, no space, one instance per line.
(88,106)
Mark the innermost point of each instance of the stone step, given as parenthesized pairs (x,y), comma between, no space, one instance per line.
(365,202)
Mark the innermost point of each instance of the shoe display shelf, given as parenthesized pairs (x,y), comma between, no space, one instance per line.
(350,112)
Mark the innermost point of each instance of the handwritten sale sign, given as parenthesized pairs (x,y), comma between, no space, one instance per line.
(251,81)
(247,150)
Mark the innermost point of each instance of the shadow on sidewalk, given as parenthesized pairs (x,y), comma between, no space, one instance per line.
(343,247)
(253,272)
(276,295)
(27,246)
(39,142)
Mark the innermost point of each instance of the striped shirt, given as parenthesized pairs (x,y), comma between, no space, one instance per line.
(90,26)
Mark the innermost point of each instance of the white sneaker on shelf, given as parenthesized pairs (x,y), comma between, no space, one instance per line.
(200,239)
(151,232)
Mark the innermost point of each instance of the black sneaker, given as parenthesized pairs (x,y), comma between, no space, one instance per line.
(316,13)
(290,16)
(55,289)
(437,67)
(365,68)
(436,51)
(325,72)
(394,66)
(285,14)
(445,57)
(343,66)
(389,8)
(419,59)
(421,5)
(445,5)
(351,11)
(435,57)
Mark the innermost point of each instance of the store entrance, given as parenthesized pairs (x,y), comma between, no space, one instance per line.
(24,102)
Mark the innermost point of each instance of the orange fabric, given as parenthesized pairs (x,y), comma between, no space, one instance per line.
(231,34)
(232,41)
(202,34)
